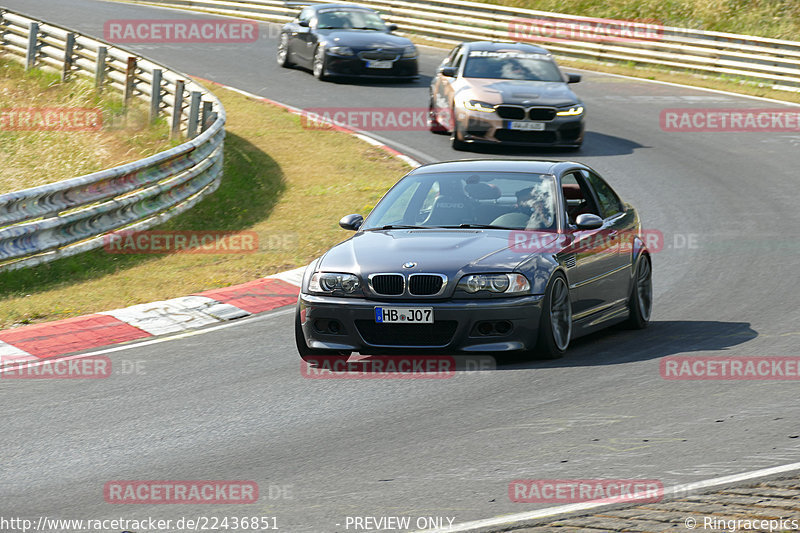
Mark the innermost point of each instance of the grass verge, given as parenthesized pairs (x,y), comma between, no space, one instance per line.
(30,158)
(778,19)
(288,184)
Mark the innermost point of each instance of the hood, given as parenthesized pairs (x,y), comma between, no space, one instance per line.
(523,92)
(452,252)
(362,39)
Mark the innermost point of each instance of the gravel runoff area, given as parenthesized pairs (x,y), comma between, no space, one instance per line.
(772,506)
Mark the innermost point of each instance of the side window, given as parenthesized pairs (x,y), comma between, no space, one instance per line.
(576,197)
(305,15)
(610,204)
(448,62)
(458,59)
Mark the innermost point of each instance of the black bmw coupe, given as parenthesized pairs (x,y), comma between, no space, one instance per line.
(483,256)
(346,40)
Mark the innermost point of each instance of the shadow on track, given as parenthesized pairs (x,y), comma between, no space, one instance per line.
(615,346)
(594,144)
(611,346)
(423,80)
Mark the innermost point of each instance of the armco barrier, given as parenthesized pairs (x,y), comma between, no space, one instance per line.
(774,62)
(72,216)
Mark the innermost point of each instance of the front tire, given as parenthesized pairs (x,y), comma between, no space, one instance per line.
(319,64)
(312,355)
(555,324)
(640,302)
(433,123)
(283,52)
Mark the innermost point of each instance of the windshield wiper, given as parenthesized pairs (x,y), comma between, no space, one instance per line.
(397,226)
(478,226)
(365,28)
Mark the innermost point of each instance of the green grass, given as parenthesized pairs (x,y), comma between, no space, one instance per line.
(31,158)
(779,19)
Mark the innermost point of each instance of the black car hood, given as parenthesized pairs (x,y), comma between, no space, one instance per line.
(362,39)
(523,92)
(452,252)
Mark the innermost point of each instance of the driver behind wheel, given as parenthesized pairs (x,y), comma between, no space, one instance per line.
(534,210)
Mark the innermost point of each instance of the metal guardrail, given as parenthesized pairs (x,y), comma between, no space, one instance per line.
(771,61)
(57,220)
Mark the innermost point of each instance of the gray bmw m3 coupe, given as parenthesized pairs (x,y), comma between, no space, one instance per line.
(505,257)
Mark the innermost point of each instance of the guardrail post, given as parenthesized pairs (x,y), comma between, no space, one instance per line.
(194,114)
(33,46)
(206,120)
(69,49)
(155,95)
(130,80)
(100,67)
(177,109)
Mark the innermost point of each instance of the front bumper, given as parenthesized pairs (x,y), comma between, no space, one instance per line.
(484,127)
(356,67)
(455,329)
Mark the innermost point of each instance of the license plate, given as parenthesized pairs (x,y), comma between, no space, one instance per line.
(404,315)
(526,126)
(379,64)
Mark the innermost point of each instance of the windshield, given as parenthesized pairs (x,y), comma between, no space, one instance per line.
(360,19)
(505,200)
(511,65)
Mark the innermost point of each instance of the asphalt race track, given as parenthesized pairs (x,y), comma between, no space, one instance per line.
(231,404)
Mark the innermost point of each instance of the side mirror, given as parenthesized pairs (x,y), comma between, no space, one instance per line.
(303,24)
(573,78)
(391,27)
(587,221)
(351,222)
(449,72)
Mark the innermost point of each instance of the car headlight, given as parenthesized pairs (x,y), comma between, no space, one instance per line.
(571,112)
(410,51)
(341,50)
(497,283)
(334,283)
(477,105)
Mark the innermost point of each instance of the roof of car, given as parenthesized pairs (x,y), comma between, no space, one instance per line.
(538,166)
(495,46)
